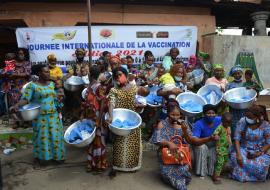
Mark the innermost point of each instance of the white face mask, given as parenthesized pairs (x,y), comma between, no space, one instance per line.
(85,79)
(177,79)
(250,121)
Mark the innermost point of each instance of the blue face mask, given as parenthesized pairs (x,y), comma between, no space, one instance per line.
(210,119)
(177,79)
(250,121)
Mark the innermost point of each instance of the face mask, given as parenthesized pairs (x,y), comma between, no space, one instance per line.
(80,58)
(238,80)
(21,57)
(149,66)
(250,121)
(210,119)
(122,80)
(176,78)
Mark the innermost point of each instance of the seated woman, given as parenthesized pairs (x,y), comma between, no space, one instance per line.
(177,175)
(203,129)
(249,159)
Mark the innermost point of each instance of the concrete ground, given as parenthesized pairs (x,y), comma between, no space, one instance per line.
(18,174)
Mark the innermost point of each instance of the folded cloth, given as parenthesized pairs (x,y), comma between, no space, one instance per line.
(124,124)
(191,106)
(154,99)
(211,97)
(81,132)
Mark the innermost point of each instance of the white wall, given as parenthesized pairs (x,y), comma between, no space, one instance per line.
(224,49)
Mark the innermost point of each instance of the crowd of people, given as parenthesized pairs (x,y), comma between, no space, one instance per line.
(222,138)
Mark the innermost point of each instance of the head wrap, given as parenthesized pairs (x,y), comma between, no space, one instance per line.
(115,59)
(51,58)
(235,68)
(80,50)
(218,66)
(208,107)
(192,63)
(203,55)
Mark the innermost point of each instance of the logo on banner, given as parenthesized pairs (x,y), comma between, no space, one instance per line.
(29,37)
(106,33)
(188,34)
(65,36)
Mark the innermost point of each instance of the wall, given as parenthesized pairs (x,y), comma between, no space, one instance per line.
(69,14)
(224,49)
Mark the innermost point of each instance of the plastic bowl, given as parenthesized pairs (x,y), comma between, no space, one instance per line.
(84,93)
(124,114)
(240,93)
(83,143)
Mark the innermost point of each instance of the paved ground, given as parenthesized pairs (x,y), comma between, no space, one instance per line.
(19,174)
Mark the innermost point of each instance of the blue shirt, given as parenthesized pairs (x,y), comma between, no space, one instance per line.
(202,130)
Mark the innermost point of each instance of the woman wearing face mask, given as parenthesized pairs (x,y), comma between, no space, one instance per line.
(249,160)
(123,96)
(236,72)
(18,77)
(178,72)
(203,129)
(148,70)
(218,78)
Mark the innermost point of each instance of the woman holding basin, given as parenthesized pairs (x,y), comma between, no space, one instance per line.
(127,150)
(48,137)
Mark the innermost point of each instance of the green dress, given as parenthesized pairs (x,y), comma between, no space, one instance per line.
(222,149)
(48,137)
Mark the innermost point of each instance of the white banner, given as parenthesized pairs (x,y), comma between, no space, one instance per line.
(122,40)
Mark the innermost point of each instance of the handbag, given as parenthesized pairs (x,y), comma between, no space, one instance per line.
(183,153)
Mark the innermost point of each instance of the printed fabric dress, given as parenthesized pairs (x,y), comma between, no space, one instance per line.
(127,151)
(48,138)
(13,86)
(97,149)
(177,175)
(254,140)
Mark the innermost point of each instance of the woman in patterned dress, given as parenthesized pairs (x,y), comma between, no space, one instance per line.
(249,159)
(19,76)
(48,137)
(127,151)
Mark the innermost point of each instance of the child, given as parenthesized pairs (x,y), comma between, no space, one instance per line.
(84,75)
(250,83)
(223,131)
(60,96)
(167,81)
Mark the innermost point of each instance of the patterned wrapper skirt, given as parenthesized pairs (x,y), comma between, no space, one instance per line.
(127,151)
(48,138)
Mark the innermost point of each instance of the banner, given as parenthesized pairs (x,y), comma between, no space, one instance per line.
(121,40)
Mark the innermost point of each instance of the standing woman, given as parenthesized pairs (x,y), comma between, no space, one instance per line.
(19,77)
(48,138)
(127,151)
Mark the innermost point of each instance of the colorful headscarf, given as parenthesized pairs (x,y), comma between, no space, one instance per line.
(193,63)
(203,55)
(235,68)
(115,59)
(218,66)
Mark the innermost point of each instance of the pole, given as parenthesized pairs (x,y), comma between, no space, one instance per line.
(89,31)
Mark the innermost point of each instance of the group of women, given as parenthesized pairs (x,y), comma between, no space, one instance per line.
(114,83)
